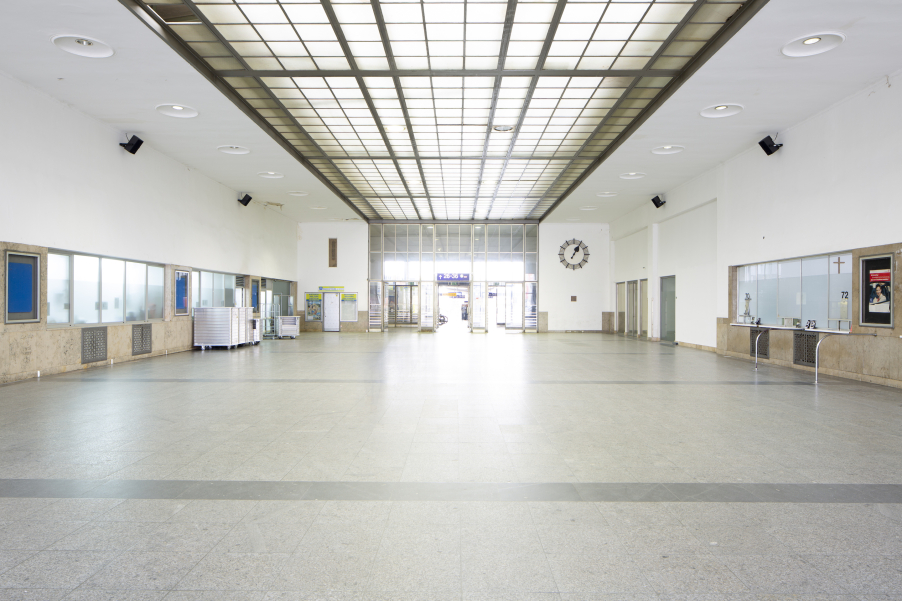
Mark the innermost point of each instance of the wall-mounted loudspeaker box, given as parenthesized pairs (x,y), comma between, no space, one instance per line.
(658,202)
(133,144)
(245,200)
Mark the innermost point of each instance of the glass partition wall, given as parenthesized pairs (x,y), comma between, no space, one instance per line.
(407,261)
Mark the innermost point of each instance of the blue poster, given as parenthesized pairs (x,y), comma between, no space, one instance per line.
(20,282)
(181,293)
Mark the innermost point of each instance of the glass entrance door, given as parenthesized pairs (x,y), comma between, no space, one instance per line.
(668,309)
(427,307)
(402,305)
(514,306)
(477,307)
(532,307)
(632,305)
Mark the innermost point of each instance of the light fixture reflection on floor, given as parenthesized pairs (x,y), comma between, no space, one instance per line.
(179,111)
(813,44)
(80,45)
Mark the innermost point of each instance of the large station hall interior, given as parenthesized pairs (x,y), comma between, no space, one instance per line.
(450,300)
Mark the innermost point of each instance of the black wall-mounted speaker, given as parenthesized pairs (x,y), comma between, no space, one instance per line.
(658,202)
(133,144)
(769,146)
(245,200)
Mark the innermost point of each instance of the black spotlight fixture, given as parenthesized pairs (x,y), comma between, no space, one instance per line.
(133,144)
(769,146)
(245,200)
(658,202)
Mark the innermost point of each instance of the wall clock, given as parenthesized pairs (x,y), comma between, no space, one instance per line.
(573,254)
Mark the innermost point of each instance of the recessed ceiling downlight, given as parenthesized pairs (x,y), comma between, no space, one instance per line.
(298,193)
(180,111)
(719,111)
(587,208)
(810,45)
(318,208)
(632,175)
(606,194)
(270,174)
(504,128)
(229,149)
(82,46)
(671,149)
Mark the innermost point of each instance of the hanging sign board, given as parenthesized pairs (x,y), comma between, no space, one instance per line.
(349,306)
(453,277)
(877,291)
(313,306)
(331,288)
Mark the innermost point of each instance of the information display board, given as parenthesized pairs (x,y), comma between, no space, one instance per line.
(23,287)
(877,291)
(313,306)
(349,306)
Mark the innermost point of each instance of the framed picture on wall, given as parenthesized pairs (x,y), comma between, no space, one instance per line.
(181,293)
(877,291)
(313,306)
(23,287)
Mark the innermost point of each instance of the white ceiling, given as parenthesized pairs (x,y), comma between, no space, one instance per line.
(777,92)
(144,72)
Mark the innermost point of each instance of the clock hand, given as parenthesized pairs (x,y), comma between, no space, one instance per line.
(574,252)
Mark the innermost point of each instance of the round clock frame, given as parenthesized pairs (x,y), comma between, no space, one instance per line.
(568,258)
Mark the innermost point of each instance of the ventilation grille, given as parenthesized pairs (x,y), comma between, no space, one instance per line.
(804,347)
(93,345)
(142,339)
(239,281)
(763,343)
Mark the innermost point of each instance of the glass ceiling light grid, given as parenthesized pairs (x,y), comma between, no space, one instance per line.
(396,106)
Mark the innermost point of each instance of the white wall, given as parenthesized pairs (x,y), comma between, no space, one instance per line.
(631,257)
(313,258)
(687,249)
(67,184)
(590,284)
(832,187)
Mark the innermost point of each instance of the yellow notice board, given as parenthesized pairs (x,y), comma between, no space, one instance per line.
(349,306)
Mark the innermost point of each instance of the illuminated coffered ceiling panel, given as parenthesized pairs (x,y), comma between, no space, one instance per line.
(446,110)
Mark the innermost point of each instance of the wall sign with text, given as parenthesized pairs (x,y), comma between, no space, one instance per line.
(452,277)
(877,291)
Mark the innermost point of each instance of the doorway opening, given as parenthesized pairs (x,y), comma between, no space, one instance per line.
(453,308)
(504,308)
(402,304)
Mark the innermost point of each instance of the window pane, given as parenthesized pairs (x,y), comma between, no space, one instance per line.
(517,238)
(747,299)
(206,289)
(479,238)
(840,290)
(428,270)
(154,292)
(492,238)
(532,238)
(113,283)
(135,288)
(767,293)
(401,238)
(505,238)
(479,267)
(389,238)
(57,288)
(413,266)
(532,267)
(453,238)
(413,238)
(465,236)
(218,290)
(375,237)
(195,289)
(790,302)
(427,237)
(229,283)
(814,291)
(375,266)
(87,294)
(441,239)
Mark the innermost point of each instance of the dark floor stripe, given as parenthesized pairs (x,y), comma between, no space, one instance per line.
(630,492)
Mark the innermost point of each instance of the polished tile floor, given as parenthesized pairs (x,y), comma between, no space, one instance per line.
(450,467)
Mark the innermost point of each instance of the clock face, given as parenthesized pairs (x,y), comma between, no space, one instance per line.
(573,254)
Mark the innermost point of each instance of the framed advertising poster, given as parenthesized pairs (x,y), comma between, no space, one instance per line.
(23,287)
(313,306)
(181,293)
(877,291)
(349,306)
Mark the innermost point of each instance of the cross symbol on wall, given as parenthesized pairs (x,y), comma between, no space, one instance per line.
(838,262)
